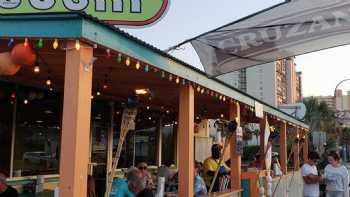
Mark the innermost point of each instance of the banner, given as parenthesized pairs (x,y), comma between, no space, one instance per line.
(268,156)
(285,30)
(116,12)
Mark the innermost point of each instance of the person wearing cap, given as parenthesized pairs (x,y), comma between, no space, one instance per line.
(5,189)
(212,163)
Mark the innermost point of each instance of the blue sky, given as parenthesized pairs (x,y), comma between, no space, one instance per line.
(188,18)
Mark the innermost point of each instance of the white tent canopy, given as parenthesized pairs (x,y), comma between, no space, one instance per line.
(285,30)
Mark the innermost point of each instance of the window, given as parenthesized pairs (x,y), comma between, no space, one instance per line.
(6,111)
(38,132)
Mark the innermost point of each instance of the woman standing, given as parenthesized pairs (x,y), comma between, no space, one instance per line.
(336,177)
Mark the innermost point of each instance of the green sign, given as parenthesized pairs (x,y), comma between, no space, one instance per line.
(117,12)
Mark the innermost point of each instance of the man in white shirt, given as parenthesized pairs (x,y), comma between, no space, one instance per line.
(310,176)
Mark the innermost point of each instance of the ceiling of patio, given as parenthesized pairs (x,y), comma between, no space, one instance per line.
(122,80)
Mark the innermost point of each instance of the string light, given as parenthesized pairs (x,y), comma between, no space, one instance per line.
(183,81)
(92,97)
(177,80)
(202,91)
(119,58)
(163,74)
(51,89)
(25,101)
(137,65)
(55,44)
(198,89)
(77,45)
(148,107)
(48,82)
(98,93)
(170,77)
(146,69)
(36,69)
(108,51)
(40,44)
(26,44)
(221,115)
(10,43)
(224,98)
(127,61)
(95,46)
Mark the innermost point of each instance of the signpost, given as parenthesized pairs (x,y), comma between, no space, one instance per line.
(115,12)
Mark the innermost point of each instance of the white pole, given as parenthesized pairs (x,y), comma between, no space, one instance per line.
(13,137)
(110,143)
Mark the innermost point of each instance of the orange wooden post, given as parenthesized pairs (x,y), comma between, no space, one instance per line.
(296,150)
(76,121)
(283,148)
(186,138)
(235,158)
(306,146)
(262,142)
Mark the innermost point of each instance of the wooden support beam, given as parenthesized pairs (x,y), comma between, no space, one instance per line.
(235,158)
(296,150)
(283,148)
(76,121)
(262,142)
(186,140)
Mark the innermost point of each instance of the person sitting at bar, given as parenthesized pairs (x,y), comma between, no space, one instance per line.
(5,189)
(145,174)
(137,185)
(120,186)
(211,164)
(200,188)
(165,171)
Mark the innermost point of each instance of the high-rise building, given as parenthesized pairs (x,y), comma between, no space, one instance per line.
(329,100)
(276,83)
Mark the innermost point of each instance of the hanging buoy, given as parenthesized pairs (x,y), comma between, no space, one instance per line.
(23,55)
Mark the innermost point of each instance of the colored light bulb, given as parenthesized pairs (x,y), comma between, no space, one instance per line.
(127,61)
(146,68)
(26,44)
(55,44)
(119,58)
(77,45)
(10,43)
(138,65)
(40,44)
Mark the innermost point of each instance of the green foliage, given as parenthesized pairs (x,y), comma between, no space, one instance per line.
(319,116)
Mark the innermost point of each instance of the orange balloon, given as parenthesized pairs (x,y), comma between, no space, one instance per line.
(23,55)
(7,66)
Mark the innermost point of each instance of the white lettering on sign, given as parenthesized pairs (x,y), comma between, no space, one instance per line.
(42,4)
(9,4)
(75,5)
